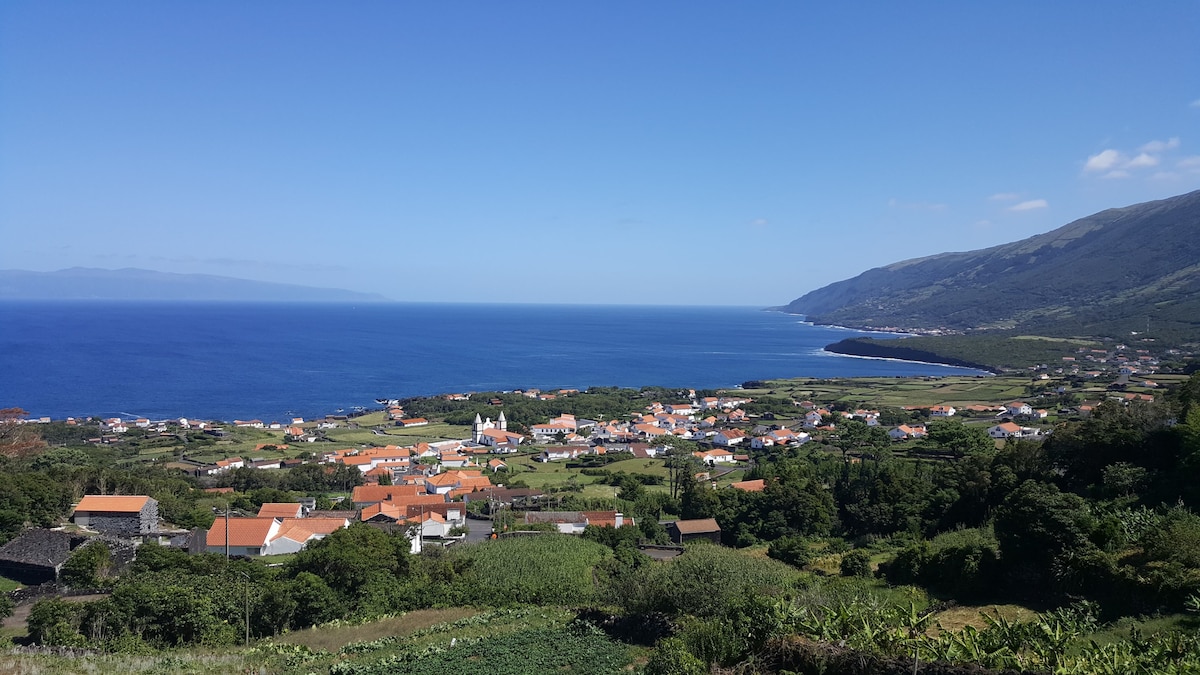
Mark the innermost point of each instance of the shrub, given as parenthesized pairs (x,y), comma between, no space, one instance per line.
(856,563)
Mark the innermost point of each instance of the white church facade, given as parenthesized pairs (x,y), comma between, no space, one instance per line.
(494,434)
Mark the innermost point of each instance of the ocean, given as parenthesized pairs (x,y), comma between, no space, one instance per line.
(278,361)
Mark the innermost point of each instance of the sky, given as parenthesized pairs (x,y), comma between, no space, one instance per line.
(578,152)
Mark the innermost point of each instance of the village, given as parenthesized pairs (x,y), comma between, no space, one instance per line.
(442,491)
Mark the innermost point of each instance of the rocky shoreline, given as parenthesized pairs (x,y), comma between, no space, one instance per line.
(859,347)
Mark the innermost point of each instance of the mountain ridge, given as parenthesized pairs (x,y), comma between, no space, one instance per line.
(136,284)
(1106,272)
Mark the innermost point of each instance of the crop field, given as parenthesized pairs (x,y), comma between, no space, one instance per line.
(898,392)
(334,637)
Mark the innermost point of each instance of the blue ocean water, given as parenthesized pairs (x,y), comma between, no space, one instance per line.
(275,361)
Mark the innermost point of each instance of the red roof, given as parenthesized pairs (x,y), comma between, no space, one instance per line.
(242,532)
(112,503)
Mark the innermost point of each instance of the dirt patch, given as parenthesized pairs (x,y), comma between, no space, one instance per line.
(957,618)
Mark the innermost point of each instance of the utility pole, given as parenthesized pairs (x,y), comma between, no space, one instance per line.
(246,595)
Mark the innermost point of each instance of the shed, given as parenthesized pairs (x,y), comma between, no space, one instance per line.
(682,531)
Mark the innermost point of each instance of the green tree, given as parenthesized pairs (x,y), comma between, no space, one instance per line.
(1036,526)
(88,566)
(856,563)
(351,558)
(958,438)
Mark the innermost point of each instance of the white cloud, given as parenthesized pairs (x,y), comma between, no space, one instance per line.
(1004,197)
(759,222)
(1161,146)
(1113,163)
(1196,103)
(1029,205)
(1189,163)
(1142,161)
(1165,175)
(1103,161)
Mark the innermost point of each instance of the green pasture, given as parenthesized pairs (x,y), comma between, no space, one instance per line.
(898,392)
(393,435)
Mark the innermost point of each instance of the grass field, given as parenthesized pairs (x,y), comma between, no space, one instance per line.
(899,392)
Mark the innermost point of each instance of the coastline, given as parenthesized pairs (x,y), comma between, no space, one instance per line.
(854,348)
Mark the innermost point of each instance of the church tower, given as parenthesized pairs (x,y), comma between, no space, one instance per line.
(501,422)
(477,429)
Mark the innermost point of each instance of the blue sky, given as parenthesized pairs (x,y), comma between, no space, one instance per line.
(615,152)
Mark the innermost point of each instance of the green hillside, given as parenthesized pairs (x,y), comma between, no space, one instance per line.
(1111,273)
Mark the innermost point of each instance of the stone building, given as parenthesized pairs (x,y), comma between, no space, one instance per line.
(118,515)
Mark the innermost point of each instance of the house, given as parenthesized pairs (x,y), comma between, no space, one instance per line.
(728,437)
(762,442)
(574,522)
(446,483)
(366,495)
(295,533)
(120,515)
(281,510)
(757,485)
(1017,408)
(268,536)
(229,464)
(690,530)
(241,536)
(413,422)
(496,465)
(1010,430)
(905,431)
(942,411)
(715,456)
(554,454)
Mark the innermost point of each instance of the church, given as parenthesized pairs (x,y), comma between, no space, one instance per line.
(494,434)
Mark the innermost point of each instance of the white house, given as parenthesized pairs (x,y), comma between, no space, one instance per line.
(1010,430)
(1017,408)
(728,437)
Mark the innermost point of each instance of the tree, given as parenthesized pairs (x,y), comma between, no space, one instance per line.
(857,435)
(856,563)
(959,438)
(17,439)
(88,566)
(1036,526)
(351,558)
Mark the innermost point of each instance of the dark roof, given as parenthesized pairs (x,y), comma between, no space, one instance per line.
(40,547)
(700,526)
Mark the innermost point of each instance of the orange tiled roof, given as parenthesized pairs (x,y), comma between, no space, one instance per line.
(242,531)
(279,510)
(112,503)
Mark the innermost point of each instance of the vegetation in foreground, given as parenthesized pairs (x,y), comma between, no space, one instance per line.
(1091,526)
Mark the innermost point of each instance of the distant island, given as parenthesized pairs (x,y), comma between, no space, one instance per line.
(132,284)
